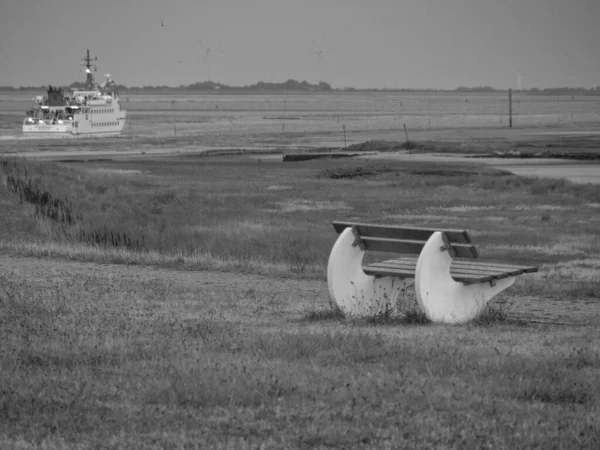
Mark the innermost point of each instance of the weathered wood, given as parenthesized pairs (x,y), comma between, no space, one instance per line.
(390,245)
(493,265)
(461,263)
(473,268)
(400,272)
(462,271)
(409,241)
(402,232)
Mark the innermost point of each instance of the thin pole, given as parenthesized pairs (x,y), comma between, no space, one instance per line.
(510,107)
(174,121)
(284,110)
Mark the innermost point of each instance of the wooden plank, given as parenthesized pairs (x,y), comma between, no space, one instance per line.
(505,273)
(475,273)
(458,263)
(389,272)
(378,244)
(403,231)
(466,279)
(405,273)
(498,266)
(405,267)
(411,265)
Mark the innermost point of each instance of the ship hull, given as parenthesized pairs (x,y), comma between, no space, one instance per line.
(83,127)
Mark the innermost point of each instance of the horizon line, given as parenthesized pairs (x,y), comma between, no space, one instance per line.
(323,84)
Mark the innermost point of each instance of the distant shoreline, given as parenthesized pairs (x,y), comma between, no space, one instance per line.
(303,87)
(225,91)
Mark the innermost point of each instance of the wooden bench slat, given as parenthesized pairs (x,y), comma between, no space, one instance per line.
(473,276)
(454,270)
(474,273)
(389,271)
(407,273)
(472,279)
(403,232)
(468,263)
(412,246)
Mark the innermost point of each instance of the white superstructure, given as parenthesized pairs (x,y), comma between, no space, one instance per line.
(94,110)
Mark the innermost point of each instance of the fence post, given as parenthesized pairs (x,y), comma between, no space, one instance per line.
(174,119)
(510,107)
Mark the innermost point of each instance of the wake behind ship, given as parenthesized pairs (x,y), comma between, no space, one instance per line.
(94,110)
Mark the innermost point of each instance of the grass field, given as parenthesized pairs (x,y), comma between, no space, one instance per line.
(217,332)
(179,301)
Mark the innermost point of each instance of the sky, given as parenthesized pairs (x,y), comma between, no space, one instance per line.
(440,44)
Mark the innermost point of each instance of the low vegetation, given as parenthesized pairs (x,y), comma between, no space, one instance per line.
(128,358)
(116,362)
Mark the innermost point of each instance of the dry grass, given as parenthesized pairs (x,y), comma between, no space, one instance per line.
(121,362)
(118,362)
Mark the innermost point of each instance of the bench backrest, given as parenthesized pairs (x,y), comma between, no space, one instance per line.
(407,239)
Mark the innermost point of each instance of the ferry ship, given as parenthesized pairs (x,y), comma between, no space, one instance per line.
(93,110)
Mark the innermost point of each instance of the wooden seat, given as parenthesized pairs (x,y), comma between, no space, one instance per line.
(410,241)
(466,272)
(450,285)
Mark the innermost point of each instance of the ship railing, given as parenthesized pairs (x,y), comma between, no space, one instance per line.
(33,121)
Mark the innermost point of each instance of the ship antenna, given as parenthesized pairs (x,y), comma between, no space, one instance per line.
(88,63)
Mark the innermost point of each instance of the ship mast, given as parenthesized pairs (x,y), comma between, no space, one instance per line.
(88,63)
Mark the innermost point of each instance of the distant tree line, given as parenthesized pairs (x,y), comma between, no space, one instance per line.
(304,86)
(290,85)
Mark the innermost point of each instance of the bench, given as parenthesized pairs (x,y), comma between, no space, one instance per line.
(450,285)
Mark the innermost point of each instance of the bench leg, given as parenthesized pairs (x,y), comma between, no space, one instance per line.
(440,297)
(354,292)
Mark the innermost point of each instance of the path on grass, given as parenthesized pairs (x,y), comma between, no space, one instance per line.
(312,292)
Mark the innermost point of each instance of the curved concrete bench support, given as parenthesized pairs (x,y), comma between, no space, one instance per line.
(440,297)
(354,292)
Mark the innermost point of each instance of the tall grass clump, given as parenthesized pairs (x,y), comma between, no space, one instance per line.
(61,211)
